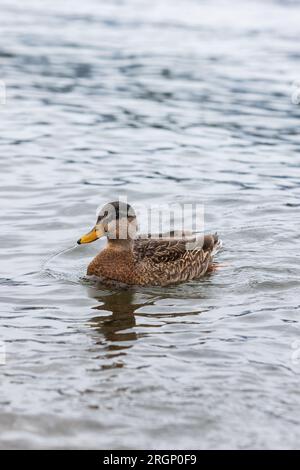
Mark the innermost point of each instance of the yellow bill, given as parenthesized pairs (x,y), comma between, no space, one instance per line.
(94,234)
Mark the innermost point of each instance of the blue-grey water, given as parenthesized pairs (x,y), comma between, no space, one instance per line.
(162,101)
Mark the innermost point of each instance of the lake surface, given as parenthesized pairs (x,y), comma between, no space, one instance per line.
(161,101)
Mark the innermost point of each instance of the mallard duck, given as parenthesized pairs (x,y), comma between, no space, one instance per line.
(134,259)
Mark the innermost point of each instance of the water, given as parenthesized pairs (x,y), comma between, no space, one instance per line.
(164,102)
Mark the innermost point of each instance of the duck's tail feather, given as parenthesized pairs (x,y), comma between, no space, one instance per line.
(218,244)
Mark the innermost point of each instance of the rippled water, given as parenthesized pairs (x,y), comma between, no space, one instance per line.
(161,101)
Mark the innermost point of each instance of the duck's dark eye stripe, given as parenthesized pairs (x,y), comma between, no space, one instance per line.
(100,217)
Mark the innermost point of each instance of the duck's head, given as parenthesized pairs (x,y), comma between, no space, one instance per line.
(116,220)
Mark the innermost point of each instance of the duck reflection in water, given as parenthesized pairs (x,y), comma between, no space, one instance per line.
(116,327)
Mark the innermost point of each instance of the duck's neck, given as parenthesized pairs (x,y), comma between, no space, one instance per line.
(120,245)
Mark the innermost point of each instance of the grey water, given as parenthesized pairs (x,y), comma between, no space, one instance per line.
(161,102)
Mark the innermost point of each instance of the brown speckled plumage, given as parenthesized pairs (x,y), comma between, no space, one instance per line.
(154,262)
(145,260)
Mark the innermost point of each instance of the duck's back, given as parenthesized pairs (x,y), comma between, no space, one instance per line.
(164,262)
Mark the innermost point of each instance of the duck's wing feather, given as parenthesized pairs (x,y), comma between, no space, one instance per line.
(172,249)
(159,250)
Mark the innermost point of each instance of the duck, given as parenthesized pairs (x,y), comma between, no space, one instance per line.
(130,258)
